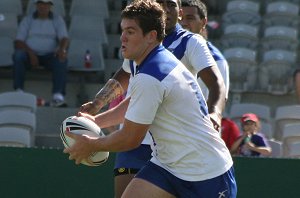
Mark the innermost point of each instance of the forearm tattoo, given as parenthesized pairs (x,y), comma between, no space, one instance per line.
(111,90)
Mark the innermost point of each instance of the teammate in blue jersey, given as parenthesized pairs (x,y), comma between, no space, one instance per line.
(189,159)
(195,19)
(193,51)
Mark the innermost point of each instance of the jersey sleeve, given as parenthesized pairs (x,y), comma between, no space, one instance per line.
(61,27)
(198,53)
(23,29)
(224,69)
(126,65)
(146,96)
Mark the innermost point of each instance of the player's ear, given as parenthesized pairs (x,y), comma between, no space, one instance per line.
(180,14)
(151,36)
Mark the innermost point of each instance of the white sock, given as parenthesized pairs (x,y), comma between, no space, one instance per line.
(58,96)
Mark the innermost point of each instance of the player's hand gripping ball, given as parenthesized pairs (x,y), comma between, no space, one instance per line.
(83,126)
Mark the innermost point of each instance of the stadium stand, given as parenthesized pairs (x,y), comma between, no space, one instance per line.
(243,66)
(276,148)
(77,51)
(285,115)
(89,8)
(84,28)
(280,37)
(276,70)
(240,35)
(11,6)
(18,100)
(291,140)
(21,124)
(111,66)
(6,51)
(242,11)
(282,13)
(8,25)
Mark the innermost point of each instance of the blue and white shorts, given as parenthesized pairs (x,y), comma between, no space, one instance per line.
(130,162)
(218,187)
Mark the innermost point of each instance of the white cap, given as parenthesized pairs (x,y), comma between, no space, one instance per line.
(44,1)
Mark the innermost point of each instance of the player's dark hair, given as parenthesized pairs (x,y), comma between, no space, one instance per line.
(201,7)
(149,16)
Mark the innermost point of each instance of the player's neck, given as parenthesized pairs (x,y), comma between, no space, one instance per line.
(147,51)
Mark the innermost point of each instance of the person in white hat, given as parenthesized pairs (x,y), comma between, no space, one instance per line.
(42,40)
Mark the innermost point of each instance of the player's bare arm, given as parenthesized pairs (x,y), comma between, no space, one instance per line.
(113,116)
(212,78)
(111,90)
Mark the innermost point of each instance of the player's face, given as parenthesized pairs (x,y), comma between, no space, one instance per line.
(191,20)
(173,13)
(133,43)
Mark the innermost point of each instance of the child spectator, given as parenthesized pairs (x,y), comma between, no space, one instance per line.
(251,142)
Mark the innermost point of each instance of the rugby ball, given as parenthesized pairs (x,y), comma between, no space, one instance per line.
(83,126)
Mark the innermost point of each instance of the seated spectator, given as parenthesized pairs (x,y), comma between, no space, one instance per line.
(229,132)
(42,40)
(251,142)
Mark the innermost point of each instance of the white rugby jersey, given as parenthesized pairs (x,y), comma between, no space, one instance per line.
(191,49)
(166,95)
(223,68)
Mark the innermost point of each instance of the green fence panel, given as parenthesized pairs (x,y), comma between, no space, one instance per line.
(47,173)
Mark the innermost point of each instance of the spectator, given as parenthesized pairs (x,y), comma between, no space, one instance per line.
(229,132)
(251,142)
(42,40)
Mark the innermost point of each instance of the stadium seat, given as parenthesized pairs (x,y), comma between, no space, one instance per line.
(276,148)
(76,54)
(88,28)
(19,119)
(6,51)
(18,100)
(240,35)
(8,25)
(291,140)
(291,130)
(111,66)
(280,37)
(11,6)
(58,7)
(113,49)
(113,23)
(285,115)
(282,13)
(242,11)
(275,71)
(262,111)
(243,66)
(89,8)
(15,137)
(267,129)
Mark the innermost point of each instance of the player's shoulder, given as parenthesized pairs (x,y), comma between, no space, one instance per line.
(196,40)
